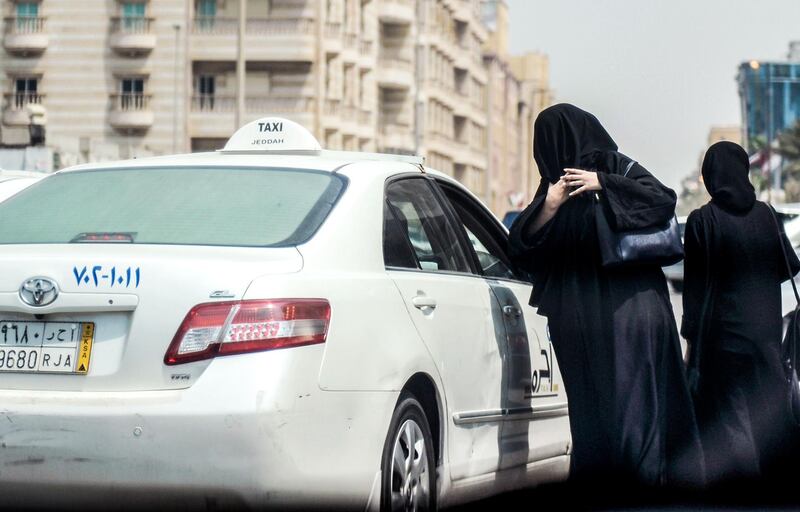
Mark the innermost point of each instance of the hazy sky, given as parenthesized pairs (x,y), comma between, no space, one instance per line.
(657,73)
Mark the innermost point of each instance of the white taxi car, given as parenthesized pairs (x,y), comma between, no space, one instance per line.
(270,324)
(12,182)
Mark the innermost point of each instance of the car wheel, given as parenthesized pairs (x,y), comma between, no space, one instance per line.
(408,480)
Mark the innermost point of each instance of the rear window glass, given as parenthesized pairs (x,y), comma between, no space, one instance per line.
(179,206)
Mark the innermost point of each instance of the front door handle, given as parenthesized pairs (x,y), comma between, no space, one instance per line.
(423,301)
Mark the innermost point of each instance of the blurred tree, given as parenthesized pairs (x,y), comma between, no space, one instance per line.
(789,149)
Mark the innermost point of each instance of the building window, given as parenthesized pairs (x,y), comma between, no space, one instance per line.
(132,94)
(27,9)
(27,21)
(133,16)
(205,12)
(26,91)
(206,88)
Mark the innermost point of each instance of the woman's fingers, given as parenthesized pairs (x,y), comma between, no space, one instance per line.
(579,191)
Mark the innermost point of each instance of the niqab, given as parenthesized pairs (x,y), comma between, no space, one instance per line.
(566,136)
(726,169)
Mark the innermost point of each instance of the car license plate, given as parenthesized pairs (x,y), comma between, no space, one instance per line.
(45,347)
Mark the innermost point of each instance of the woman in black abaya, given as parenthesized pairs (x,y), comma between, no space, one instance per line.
(613,330)
(732,320)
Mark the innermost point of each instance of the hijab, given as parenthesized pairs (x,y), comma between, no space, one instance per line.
(566,136)
(726,169)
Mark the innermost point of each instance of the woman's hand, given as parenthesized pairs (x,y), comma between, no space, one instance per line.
(585,181)
(557,193)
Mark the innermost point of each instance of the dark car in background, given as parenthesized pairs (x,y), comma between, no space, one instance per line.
(509,217)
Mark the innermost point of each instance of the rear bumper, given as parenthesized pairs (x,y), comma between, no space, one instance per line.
(239,436)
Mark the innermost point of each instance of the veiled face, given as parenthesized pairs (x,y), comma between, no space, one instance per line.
(563,135)
(726,174)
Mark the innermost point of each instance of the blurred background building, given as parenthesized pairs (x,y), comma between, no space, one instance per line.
(770,99)
(90,81)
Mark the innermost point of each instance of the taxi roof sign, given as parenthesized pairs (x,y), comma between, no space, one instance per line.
(272,134)
(277,135)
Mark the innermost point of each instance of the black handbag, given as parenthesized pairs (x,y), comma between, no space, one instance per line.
(657,245)
(790,340)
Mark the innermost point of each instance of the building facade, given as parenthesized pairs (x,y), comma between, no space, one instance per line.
(770,96)
(110,79)
(518,90)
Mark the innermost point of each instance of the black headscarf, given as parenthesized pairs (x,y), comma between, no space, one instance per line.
(726,169)
(566,136)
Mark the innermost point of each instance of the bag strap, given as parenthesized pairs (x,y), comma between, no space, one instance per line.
(785,256)
(628,169)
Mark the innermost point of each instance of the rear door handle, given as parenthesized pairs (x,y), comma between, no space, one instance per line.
(423,301)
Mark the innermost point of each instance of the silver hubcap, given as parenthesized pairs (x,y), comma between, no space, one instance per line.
(410,478)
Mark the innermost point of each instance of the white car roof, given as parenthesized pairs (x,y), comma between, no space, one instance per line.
(8,175)
(266,142)
(320,160)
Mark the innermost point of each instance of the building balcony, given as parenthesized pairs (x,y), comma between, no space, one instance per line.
(397,11)
(132,36)
(131,112)
(333,38)
(16,111)
(366,48)
(365,118)
(266,39)
(215,116)
(350,113)
(351,42)
(395,72)
(25,35)
(395,136)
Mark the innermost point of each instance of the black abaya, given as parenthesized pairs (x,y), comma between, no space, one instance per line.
(732,305)
(613,330)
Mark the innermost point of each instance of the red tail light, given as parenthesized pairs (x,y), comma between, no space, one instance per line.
(224,328)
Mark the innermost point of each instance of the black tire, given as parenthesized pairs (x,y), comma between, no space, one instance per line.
(408,410)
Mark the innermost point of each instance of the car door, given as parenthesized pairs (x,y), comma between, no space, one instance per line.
(451,307)
(533,388)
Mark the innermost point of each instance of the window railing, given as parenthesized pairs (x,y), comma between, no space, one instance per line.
(25,24)
(333,30)
(131,24)
(130,102)
(266,26)
(213,25)
(213,103)
(331,107)
(20,100)
(226,104)
(402,60)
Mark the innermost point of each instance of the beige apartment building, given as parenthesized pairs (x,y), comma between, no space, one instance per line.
(518,89)
(114,79)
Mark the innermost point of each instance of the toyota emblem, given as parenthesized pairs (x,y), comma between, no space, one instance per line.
(38,291)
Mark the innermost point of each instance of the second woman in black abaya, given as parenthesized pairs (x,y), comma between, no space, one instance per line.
(613,330)
(732,321)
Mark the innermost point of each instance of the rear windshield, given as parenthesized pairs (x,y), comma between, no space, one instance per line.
(179,206)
